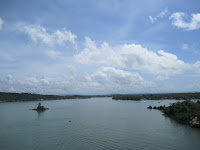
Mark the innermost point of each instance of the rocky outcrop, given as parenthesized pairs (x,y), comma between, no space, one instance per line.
(195,122)
(150,107)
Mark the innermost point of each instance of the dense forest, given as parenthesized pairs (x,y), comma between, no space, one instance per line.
(186,112)
(177,96)
(12,97)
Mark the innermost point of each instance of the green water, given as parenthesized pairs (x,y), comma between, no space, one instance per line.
(96,123)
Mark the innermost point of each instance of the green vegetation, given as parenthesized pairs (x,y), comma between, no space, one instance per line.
(12,97)
(186,112)
(177,96)
(40,108)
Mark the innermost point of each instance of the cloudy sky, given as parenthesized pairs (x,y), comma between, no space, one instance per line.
(99,46)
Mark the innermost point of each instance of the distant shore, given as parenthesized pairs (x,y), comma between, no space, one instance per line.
(177,96)
(18,97)
(15,97)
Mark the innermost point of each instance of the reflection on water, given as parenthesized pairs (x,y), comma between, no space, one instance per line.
(39,113)
(97,123)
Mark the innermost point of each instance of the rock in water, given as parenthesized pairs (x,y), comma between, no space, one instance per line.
(195,122)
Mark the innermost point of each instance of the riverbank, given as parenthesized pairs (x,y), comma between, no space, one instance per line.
(176,96)
(186,112)
(18,97)
(15,97)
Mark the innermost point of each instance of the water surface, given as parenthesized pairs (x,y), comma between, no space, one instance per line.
(96,123)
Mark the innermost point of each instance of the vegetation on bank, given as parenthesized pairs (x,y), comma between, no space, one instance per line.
(12,97)
(177,96)
(186,112)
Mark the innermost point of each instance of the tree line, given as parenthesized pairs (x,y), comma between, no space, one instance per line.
(11,97)
(177,96)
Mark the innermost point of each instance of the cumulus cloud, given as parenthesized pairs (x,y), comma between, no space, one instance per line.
(162,14)
(104,80)
(116,80)
(196,66)
(52,53)
(38,33)
(9,77)
(131,56)
(28,84)
(1,23)
(178,21)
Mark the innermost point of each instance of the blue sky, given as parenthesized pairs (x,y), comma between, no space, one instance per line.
(99,47)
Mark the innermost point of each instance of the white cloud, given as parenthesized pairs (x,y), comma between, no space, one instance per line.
(162,14)
(196,67)
(132,56)
(116,80)
(185,46)
(39,34)
(9,77)
(29,84)
(178,21)
(1,23)
(152,19)
(52,53)
(105,80)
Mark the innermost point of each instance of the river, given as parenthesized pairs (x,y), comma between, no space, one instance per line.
(92,124)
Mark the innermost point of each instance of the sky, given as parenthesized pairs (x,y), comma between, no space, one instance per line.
(99,46)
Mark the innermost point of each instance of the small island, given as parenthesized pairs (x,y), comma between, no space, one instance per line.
(40,108)
(186,112)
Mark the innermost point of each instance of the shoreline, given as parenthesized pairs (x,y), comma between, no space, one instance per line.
(186,112)
(20,97)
